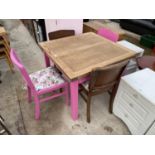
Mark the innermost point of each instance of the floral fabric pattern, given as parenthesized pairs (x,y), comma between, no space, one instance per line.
(46,78)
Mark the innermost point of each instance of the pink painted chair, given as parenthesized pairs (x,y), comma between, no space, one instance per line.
(41,82)
(108,34)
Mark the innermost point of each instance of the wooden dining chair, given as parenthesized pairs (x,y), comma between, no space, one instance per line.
(56,35)
(101,80)
(108,34)
(4,51)
(60,34)
(41,82)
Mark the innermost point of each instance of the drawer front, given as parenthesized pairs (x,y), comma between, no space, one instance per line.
(140,99)
(128,102)
(135,126)
(133,109)
(135,106)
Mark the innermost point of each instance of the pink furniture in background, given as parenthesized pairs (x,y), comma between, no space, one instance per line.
(41,82)
(106,33)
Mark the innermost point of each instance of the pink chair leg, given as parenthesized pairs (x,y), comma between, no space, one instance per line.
(47,60)
(29,94)
(37,107)
(66,95)
(74,99)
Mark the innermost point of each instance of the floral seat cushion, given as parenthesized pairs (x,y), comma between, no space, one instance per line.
(46,78)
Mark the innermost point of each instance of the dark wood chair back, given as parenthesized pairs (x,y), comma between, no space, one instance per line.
(60,34)
(107,77)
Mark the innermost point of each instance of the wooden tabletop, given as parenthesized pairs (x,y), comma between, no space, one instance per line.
(2,30)
(78,55)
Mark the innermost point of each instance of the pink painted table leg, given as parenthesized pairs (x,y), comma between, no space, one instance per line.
(74,99)
(47,60)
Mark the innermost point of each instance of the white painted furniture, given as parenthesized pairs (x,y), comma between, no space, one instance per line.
(64,24)
(151,130)
(132,66)
(131,46)
(135,101)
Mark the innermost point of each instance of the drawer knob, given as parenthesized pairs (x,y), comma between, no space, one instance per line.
(131,105)
(126,115)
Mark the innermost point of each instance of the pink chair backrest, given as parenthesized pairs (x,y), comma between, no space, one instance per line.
(108,34)
(21,68)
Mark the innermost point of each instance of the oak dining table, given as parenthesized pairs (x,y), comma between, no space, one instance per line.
(76,56)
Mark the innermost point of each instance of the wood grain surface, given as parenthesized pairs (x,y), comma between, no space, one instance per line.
(78,55)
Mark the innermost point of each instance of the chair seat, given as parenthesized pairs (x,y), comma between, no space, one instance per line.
(46,78)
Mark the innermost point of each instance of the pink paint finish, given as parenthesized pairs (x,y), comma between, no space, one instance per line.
(31,88)
(108,34)
(64,24)
(74,99)
(74,90)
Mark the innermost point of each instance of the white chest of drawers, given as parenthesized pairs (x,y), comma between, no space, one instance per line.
(135,102)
